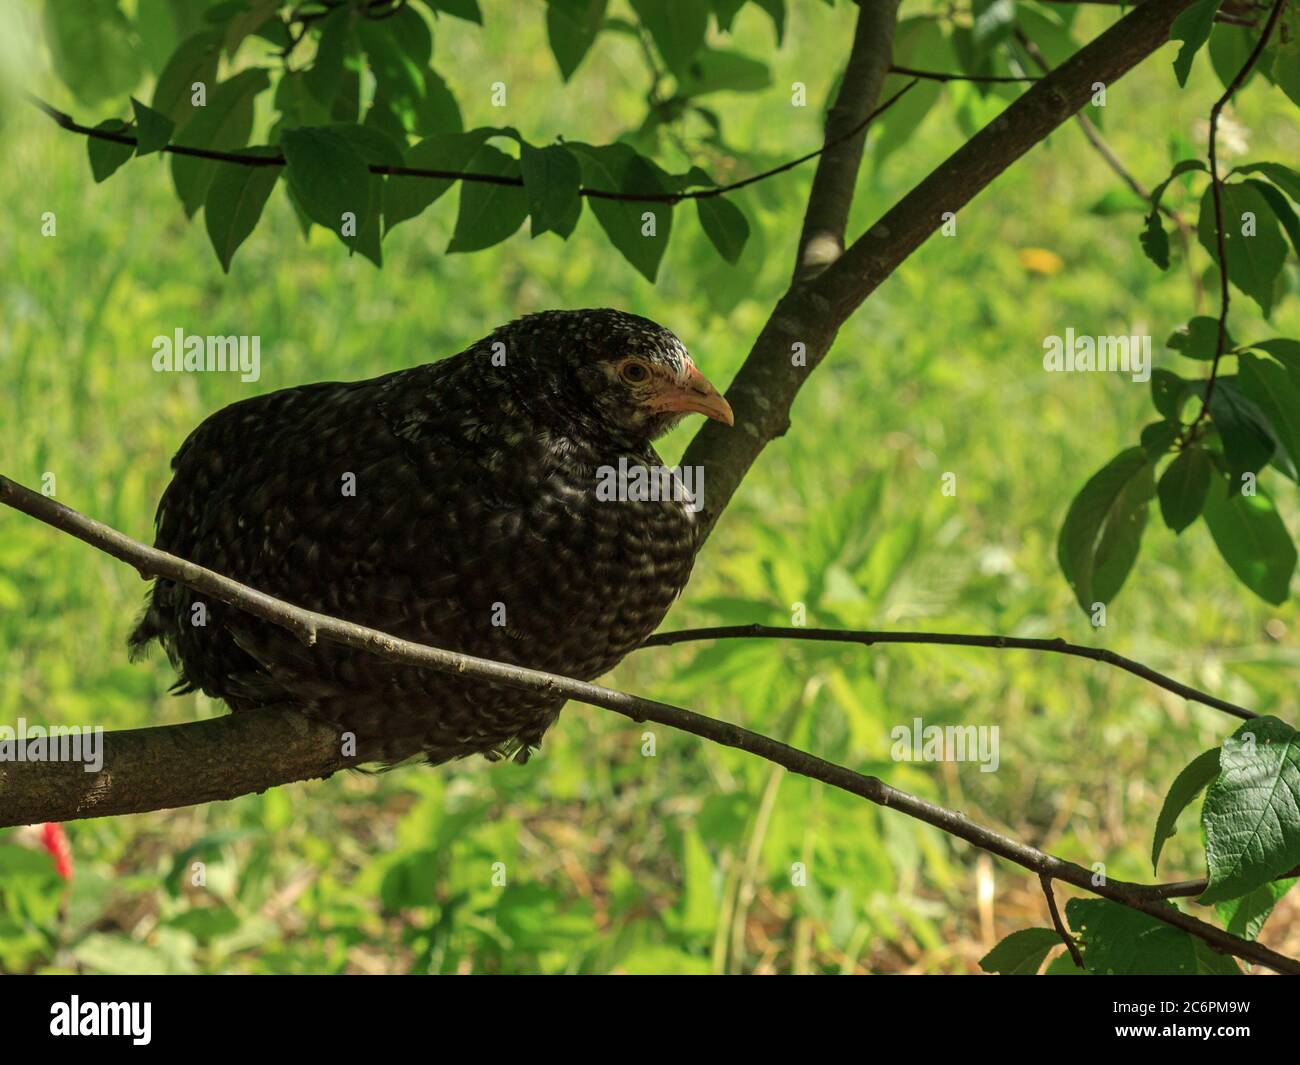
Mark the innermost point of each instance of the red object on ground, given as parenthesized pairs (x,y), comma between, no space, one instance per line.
(55,840)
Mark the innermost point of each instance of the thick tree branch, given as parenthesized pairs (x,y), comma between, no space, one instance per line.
(181,764)
(822,239)
(802,327)
(870,638)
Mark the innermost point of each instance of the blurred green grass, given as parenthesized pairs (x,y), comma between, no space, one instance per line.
(595,857)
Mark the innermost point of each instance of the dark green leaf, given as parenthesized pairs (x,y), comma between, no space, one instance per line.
(105,155)
(152,130)
(235,200)
(1102,532)
(193,62)
(1287,352)
(1118,941)
(1182,488)
(329,177)
(1168,393)
(1192,27)
(1252,833)
(1283,177)
(1247,442)
(1155,241)
(337,41)
(488,213)
(92,49)
(1021,953)
(1282,211)
(1245,916)
(406,197)
(571,27)
(1199,338)
(677,26)
(1252,539)
(1195,778)
(245,22)
(725,224)
(1158,438)
(716,71)
(224,124)
(552,178)
(1277,395)
(628,223)
(1253,261)
(463,9)
(1286,55)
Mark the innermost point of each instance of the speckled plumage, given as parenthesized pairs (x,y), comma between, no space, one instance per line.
(474,493)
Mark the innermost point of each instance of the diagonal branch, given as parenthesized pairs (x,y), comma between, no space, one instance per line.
(178,765)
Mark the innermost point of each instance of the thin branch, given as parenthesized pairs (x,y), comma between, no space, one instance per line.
(1058,924)
(869,638)
(182,764)
(985,79)
(67,122)
(1216,185)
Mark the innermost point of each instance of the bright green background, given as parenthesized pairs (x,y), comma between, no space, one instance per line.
(615,861)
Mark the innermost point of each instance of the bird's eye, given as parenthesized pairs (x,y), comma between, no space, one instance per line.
(633,372)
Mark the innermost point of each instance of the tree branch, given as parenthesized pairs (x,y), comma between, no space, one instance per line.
(869,638)
(822,239)
(805,321)
(178,765)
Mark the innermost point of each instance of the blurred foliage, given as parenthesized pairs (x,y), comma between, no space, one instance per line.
(597,857)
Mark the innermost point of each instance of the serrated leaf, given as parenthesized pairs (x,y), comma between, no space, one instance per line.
(488,213)
(235,201)
(1251,815)
(224,124)
(105,155)
(406,197)
(1253,261)
(1102,532)
(194,61)
(152,130)
(552,178)
(1194,779)
(1182,488)
(329,177)
(618,168)
(725,225)
(571,28)
(1252,539)
(1021,953)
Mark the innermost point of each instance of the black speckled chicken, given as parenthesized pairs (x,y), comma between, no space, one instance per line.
(454,504)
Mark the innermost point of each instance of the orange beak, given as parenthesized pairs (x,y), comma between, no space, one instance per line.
(694,395)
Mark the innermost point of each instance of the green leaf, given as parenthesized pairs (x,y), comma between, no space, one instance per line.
(552,178)
(235,200)
(1247,442)
(1194,779)
(1253,261)
(627,223)
(725,225)
(417,99)
(488,213)
(224,124)
(245,22)
(678,28)
(329,178)
(152,130)
(1252,539)
(571,28)
(1102,533)
(1286,57)
(1277,395)
(713,70)
(1119,941)
(1182,488)
(462,9)
(406,197)
(1159,438)
(194,62)
(1245,916)
(92,48)
(1021,953)
(1283,177)
(106,156)
(1230,48)
(337,41)
(1250,817)
(1199,338)
(1282,211)
(1287,352)
(1169,393)
(1155,241)
(1192,27)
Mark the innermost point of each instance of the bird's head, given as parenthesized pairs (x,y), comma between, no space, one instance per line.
(614,373)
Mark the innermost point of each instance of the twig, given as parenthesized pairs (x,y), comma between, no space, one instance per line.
(1057,923)
(67,122)
(986,79)
(868,638)
(1221,340)
(59,800)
